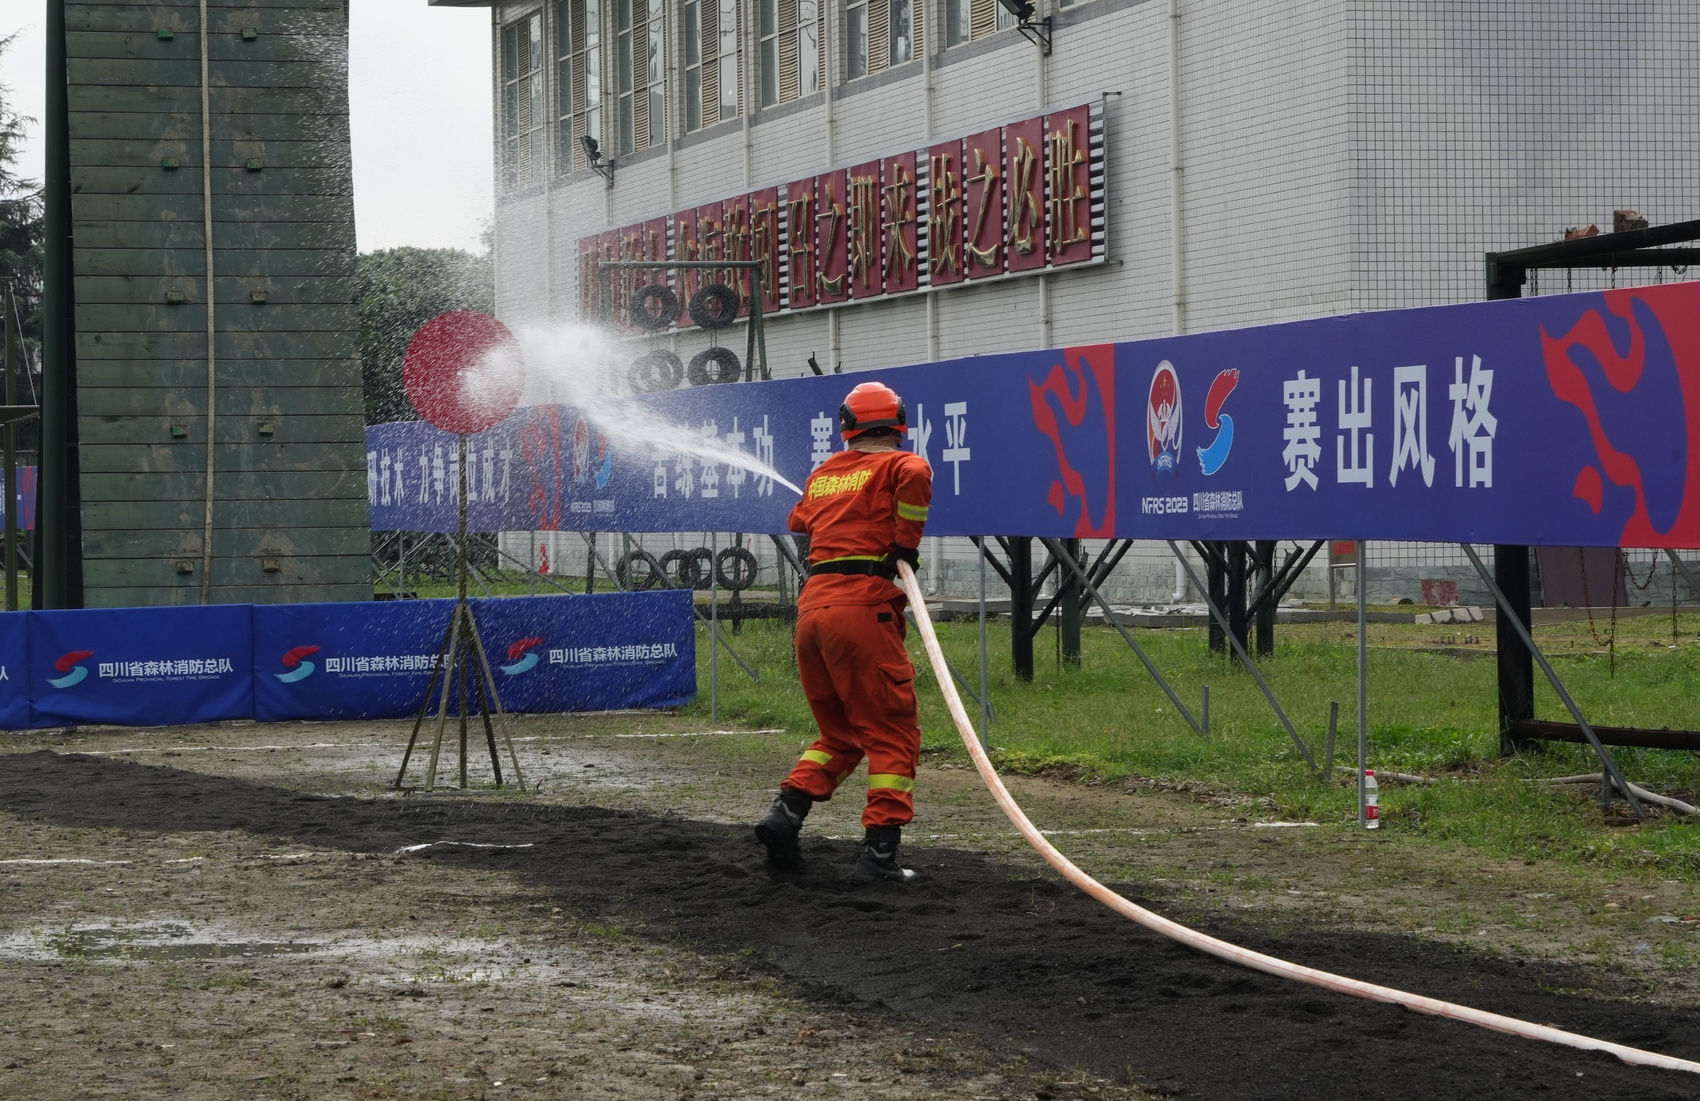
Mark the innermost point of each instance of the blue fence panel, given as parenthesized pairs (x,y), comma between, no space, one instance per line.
(14,673)
(599,652)
(141,666)
(346,660)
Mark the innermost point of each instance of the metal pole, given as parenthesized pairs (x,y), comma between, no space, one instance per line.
(14,352)
(1245,659)
(985,699)
(1110,617)
(1528,640)
(1693,589)
(1363,670)
(714,630)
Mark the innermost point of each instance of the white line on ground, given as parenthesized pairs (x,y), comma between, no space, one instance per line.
(461,844)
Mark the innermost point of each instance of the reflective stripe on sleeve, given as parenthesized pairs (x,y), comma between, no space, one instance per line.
(818,756)
(890,780)
(912,512)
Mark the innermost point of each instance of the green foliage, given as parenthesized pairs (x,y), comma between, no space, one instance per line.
(399,290)
(21,220)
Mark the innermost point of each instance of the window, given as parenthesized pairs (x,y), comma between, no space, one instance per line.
(578,50)
(642,73)
(523,109)
(880,34)
(712,55)
(967,20)
(791,38)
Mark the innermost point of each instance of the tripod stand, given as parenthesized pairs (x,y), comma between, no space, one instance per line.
(456,656)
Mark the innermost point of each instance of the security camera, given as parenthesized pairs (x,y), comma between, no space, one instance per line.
(1022,9)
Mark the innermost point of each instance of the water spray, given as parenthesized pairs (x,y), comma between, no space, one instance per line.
(1222,949)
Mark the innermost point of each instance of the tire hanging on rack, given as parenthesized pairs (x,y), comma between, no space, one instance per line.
(642,580)
(654,307)
(678,569)
(713,365)
(657,369)
(743,572)
(702,561)
(714,306)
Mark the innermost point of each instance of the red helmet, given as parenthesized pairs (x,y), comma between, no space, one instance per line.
(871,405)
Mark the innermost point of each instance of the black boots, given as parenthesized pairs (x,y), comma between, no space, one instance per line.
(879,857)
(779,827)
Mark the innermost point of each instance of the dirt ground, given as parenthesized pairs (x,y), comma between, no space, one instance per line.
(249,911)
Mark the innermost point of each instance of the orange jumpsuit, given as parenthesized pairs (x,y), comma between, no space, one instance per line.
(850,629)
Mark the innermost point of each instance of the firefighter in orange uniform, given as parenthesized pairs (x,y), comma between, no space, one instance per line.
(863,510)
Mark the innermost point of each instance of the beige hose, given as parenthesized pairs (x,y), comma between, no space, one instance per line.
(1221,949)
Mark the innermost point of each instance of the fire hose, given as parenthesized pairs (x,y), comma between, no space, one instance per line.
(1221,949)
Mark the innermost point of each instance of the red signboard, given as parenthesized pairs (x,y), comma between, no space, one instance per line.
(863,222)
(899,228)
(764,244)
(832,236)
(800,271)
(1024,176)
(1023,197)
(944,213)
(982,204)
(1068,186)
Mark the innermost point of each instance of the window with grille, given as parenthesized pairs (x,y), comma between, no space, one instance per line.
(578,53)
(791,45)
(641,64)
(523,109)
(713,74)
(880,34)
(968,20)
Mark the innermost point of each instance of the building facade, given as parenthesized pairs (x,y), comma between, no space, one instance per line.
(1261,162)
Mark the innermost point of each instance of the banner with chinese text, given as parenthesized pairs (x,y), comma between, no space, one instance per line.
(1559,420)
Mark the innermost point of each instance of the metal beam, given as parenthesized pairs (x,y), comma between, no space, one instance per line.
(1506,613)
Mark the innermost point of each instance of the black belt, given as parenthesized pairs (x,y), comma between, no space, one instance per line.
(865,567)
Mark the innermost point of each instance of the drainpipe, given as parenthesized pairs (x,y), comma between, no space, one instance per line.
(1177,273)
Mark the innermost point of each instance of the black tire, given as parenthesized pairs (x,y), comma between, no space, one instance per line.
(743,572)
(714,365)
(654,307)
(642,579)
(715,306)
(679,569)
(655,370)
(702,561)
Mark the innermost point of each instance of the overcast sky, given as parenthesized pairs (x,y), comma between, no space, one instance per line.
(419,92)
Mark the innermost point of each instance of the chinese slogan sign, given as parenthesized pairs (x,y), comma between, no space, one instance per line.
(1561,420)
(1019,198)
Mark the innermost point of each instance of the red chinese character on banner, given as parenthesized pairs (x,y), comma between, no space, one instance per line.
(800,270)
(944,213)
(686,247)
(982,204)
(735,245)
(1068,185)
(764,244)
(1024,172)
(832,236)
(863,205)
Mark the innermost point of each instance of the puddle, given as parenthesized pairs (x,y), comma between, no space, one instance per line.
(153,943)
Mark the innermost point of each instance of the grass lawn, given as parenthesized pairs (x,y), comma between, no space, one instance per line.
(1431,713)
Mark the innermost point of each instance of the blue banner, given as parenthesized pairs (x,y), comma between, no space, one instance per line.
(14,672)
(140,666)
(1560,420)
(369,660)
(547,654)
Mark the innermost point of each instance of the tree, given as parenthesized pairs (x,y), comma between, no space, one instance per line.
(21,221)
(399,290)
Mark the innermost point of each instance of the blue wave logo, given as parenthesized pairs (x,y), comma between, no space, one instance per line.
(1211,458)
(74,673)
(299,668)
(527,647)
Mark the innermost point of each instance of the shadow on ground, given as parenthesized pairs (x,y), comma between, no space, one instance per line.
(1025,962)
